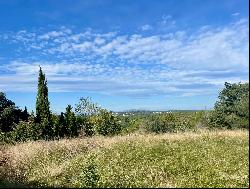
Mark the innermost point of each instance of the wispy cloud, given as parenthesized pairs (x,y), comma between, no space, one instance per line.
(236,14)
(134,64)
(146,27)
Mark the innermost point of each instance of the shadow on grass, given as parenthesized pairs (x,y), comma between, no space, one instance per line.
(13,184)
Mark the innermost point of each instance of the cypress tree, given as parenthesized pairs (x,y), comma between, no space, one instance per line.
(25,114)
(43,115)
(70,121)
(62,130)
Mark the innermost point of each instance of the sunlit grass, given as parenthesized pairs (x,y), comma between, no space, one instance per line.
(198,159)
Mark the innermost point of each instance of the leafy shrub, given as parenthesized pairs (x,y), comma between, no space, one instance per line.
(157,124)
(96,120)
(172,122)
(106,124)
(27,131)
(6,137)
(86,125)
(130,124)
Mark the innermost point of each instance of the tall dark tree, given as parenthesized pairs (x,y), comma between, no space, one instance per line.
(62,126)
(43,115)
(70,121)
(59,127)
(25,114)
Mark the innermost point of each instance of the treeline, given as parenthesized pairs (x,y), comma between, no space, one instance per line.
(88,119)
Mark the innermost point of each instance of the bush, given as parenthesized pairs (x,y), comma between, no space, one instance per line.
(130,124)
(96,120)
(85,125)
(27,131)
(107,124)
(173,122)
(6,137)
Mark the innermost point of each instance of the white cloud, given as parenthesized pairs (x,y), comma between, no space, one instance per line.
(209,47)
(131,64)
(118,80)
(99,41)
(51,34)
(82,46)
(146,27)
(236,14)
(167,22)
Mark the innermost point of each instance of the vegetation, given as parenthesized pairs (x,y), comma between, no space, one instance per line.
(175,122)
(10,114)
(191,159)
(232,109)
(43,115)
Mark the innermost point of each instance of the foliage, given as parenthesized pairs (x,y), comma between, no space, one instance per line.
(43,115)
(85,125)
(24,115)
(8,118)
(70,121)
(130,124)
(86,112)
(106,124)
(86,107)
(59,125)
(96,120)
(27,131)
(6,138)
(4,102)
(173,122)
(232,109)
(89,176)
(9,114)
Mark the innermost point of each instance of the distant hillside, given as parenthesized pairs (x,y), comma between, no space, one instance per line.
(135,112)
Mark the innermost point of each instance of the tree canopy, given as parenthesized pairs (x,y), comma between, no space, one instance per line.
(232,108)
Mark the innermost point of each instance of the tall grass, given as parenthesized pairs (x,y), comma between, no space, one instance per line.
(200,159)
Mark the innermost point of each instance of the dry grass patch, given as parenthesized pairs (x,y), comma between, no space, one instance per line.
(135,160)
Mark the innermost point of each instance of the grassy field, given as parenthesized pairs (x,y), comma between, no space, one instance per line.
(200,159)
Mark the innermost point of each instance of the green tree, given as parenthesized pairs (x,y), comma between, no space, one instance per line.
(86,112)
(70,121)
(7,119)
(9,114)
(59,126)
(232,108)
(86,107)
(62,125)
(107,124)
(55,125)
(4,102)
(24,114)
(43,115)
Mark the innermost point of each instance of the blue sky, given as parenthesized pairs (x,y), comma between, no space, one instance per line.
(125,54)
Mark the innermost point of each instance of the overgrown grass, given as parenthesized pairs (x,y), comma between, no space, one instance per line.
(200,159)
